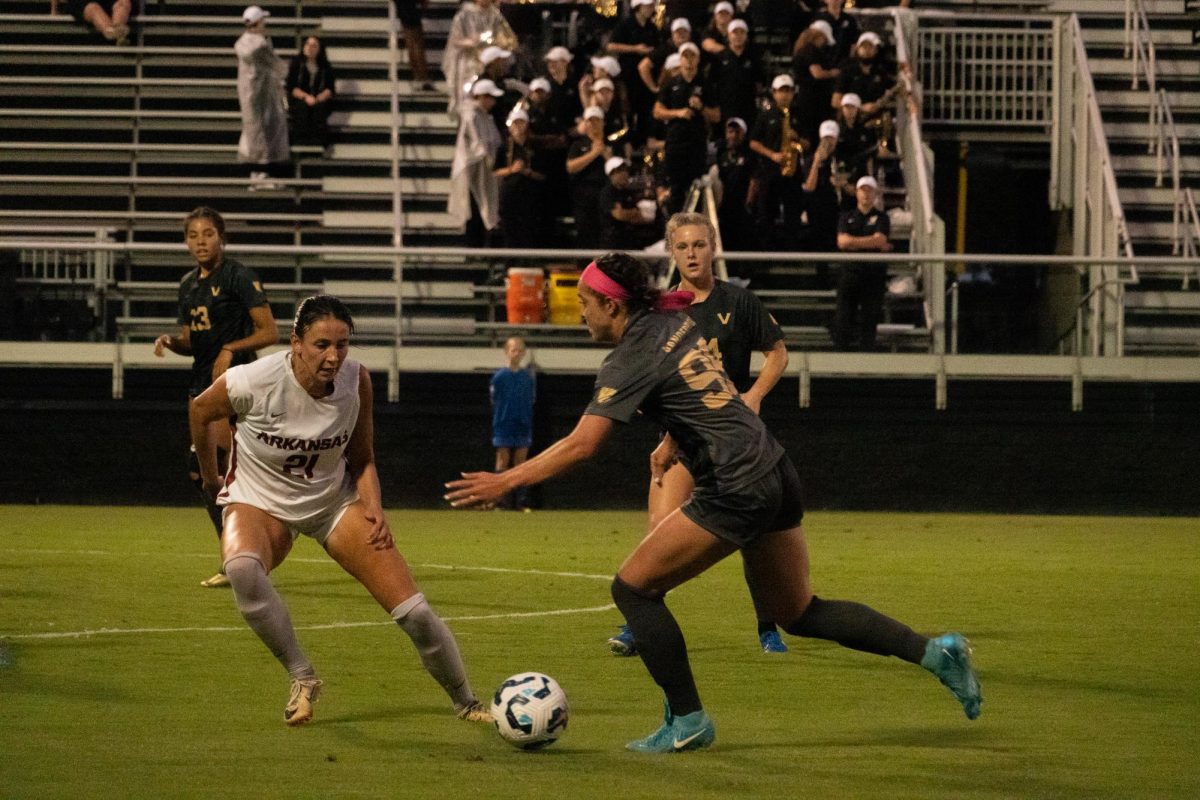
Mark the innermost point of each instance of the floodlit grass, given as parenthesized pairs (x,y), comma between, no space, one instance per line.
(1085,635)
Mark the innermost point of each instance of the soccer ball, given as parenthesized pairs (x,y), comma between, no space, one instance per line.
(530,710)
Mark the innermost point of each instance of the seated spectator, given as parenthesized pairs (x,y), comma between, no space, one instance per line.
(861,286)
(477,24)
(686,108)
(634,39)
(736,75)
(311,86)
(109,18)
(857,144)
(865,75)
(521,187)
(735,168)
(821,195)
(779,196)
(585,166)
(474,194)
(814,67)
(564,97)
(623,223)
(844,27)
(715,36)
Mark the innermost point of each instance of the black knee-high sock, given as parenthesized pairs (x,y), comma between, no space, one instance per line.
(214,511)
(858,627)
(660,644)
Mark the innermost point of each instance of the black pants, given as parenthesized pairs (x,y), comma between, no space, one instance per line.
(859,305)
(777,211)
(683,163)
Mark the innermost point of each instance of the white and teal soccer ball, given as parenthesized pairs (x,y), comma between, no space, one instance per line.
(530,710)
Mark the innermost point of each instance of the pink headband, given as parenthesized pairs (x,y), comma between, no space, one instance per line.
(595,279)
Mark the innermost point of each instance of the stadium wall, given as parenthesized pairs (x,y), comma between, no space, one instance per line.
(879,445)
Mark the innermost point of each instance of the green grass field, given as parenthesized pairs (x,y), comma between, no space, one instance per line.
(120,677)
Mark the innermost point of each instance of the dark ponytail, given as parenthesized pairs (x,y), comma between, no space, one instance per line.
(318,307)
(634,275)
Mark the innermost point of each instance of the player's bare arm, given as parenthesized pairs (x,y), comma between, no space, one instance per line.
(773,368)
(213,404)
(265,334)
(180,344)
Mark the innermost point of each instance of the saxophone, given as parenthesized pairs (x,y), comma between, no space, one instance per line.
(791,148)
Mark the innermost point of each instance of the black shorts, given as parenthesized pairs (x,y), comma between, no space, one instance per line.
(408,12)
(774,502)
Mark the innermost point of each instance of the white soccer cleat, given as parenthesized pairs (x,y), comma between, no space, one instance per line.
(299,709)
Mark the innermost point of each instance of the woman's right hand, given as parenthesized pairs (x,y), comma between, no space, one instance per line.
(213,486)
(161,343)
(662,459)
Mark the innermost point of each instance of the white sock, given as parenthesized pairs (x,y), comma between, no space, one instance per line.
(265,613)
(436,646)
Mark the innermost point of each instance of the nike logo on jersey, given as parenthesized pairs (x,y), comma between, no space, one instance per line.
(725,318)
(216,290)
(679,744)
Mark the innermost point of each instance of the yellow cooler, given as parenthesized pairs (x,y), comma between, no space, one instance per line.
(562,297)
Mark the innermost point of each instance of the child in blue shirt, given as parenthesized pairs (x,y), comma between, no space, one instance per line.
(512,392)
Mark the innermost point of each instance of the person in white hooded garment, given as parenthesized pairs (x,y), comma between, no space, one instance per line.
(477,24)
(472,171)
(264,139)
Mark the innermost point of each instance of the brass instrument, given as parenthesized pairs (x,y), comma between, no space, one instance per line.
(660,16)
(618,134)
(790,147)
(607,8)
(884,124)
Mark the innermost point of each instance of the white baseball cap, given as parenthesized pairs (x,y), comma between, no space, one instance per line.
(485,86)
(871,37)
(866,180)
(539,84)
(636,3)
(557,54)
(782,81)
(603,83)
(738,25)
(829,128)
(492,53)
(253,14)
(593,112)
(683,48)
(614,163)
(851,99)
(736,122)
(825,28)
(672,61)
(608,64)
(516,114)
(680,22)
(723,6)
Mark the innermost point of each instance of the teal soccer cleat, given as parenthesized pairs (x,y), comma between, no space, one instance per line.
(622,643)
(949,658)
(678,734)
(772,642)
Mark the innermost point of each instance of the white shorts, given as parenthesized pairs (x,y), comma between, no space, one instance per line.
(318,526)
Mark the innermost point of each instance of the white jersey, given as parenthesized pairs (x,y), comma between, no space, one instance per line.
(289,448)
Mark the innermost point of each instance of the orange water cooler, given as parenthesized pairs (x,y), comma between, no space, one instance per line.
(525,298)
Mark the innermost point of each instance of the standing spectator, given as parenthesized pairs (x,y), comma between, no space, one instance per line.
(651,67)
(521,187)
(604,68)
(737,76)
(715,36)
(497,64)
(585,166)
(474,196)
(623,224)
(683,106)
(816,70)
(564,96)
(844,27)
(616,124)
(861,286)
(857,144)
(735,167)
(409,14)
(512,390)
(477,24)
(264,141)
(311,84)
(634,39)
(694,11)
(549,135)
(865,75)
(779,198)
(821,198)
(110,18)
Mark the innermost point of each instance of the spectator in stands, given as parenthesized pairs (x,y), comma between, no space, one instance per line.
(865,75)
(311,85)
(549,136)
(110,18)
(779,198)
(474,195)
(224,318)
(497,66)
(264,141)
(652,66)
(521,187)
(585,166)
(476,25)
(815,69)
(605,67)
(860,289)
(513,390)
(408,12)
(735,168)
(857,144)
(627,220)
(564,90)
(844,27)
(821,196)
(694,11)
(616,124)
(716,35)
(736,75)
(687,109)
(633,40)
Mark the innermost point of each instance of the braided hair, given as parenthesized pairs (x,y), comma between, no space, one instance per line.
(634,275)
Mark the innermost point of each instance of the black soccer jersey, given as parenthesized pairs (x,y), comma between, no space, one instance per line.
(216,310)
(734,323)
(664,368)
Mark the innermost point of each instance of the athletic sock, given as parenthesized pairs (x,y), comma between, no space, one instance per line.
(660,644)
(765,627)
(213,510)
(265,613)
(858,627)
(437,648)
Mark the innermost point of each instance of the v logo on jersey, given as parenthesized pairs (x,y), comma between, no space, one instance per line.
(605,394)
(216,290)
(725,318)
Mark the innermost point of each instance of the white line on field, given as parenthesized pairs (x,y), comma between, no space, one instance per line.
(326,626)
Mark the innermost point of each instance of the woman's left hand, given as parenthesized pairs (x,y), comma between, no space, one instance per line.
(477,489)
(381,535)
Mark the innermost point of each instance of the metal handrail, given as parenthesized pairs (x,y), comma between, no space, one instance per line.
(1139,45)
(913,121)
(1168,163)
(1190,230)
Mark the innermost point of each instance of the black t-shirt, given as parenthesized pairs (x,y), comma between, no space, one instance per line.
(675,94)
(663,367)
(734,82)
(856,223)
(592,177)
(616,234)
(518,189)
(628,31)
(845,31)
(734,323)
(216,310)
(869,85)
(768,131)
(736,168)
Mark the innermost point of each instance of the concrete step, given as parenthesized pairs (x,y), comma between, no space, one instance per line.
(1128,98)
(1112,7)
(383,220)
(1143,130)
(424,153)
(438,187)
(1156,230)
(1164,38)
(1104,66)
(409,120)
(1149,196)
(1166,302)
(1147,165)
